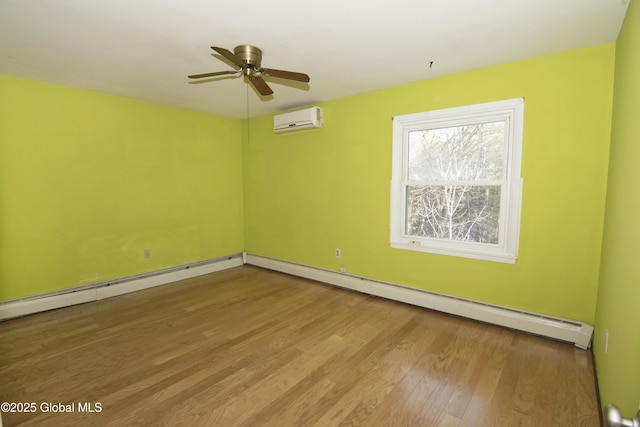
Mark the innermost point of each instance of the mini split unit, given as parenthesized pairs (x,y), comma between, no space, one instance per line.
(308,118)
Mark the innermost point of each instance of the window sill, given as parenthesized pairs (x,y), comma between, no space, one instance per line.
(484,255)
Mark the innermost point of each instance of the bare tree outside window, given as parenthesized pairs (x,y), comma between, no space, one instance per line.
(455,177)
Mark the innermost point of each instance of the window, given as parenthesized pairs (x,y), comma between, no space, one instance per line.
(456,185)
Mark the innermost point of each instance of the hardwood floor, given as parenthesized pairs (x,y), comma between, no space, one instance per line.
(252,347)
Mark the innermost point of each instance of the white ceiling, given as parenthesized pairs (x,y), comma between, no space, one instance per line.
(144,49)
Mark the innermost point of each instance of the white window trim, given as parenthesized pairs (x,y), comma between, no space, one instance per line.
(507,248)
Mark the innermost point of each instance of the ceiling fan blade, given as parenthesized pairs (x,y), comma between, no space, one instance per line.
(217,73)
(290,75)
(229,55)
(260,85)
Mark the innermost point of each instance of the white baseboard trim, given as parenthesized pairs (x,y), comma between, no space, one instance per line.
(98,291)
(575,332)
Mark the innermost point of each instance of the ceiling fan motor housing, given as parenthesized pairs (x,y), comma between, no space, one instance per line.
(251,55)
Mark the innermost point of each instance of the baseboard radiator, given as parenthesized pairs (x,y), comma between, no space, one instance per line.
(571,331)
(111,288)
(574,332)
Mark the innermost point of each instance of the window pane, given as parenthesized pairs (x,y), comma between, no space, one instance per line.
(455,212)
(459,153)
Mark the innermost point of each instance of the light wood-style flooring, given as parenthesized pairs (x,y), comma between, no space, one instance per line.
(252,347)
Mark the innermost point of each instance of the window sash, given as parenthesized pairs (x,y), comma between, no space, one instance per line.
(503,154)
(444,220)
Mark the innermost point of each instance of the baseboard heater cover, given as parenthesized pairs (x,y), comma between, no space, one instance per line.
(575,332)
(111,288)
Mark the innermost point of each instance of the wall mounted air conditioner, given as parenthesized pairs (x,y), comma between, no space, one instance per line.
(308,118)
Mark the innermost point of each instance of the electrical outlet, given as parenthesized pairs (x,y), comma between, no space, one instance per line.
(338,253)
(606,341)
(147,253)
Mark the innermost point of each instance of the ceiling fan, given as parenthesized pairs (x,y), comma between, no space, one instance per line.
(248,59)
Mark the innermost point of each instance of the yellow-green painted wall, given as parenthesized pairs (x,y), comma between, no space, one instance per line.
(307,193)
(88,181)
(619,291)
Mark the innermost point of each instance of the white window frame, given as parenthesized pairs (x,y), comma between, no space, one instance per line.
(506,250)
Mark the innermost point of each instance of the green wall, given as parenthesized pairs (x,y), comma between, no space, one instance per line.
(88,181)
(307,193)
(619,291)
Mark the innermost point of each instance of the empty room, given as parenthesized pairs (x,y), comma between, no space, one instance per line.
(279,213)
